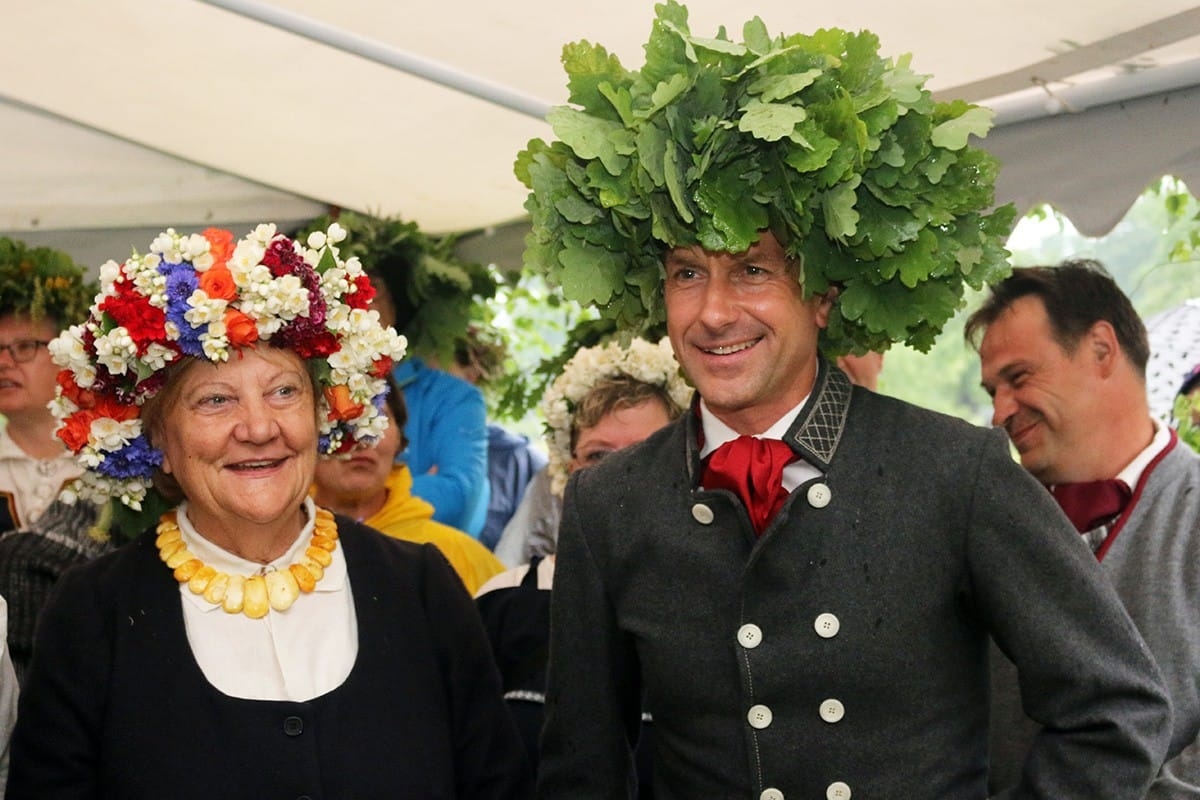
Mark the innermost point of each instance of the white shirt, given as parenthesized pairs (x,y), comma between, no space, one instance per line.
(1133,471)
(33,482)
(717,433)
(297,654)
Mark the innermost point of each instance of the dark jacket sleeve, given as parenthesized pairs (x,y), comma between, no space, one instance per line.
(592,715)
(490,761)
(55,745)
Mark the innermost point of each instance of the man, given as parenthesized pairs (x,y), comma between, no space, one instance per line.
(1063,355)
(818,627)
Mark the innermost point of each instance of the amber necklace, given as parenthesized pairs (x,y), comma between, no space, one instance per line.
(252,595)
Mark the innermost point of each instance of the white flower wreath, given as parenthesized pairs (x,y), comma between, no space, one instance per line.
(650,363)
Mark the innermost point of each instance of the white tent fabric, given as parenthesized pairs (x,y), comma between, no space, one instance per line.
(135,114)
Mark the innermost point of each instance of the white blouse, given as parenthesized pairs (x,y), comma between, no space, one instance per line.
(297,654)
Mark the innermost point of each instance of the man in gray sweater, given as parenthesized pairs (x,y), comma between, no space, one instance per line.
(1063,355)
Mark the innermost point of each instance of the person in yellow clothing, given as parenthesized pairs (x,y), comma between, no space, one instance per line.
(371,488)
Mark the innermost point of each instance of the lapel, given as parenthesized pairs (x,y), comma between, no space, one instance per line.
(817,429)
(815,433)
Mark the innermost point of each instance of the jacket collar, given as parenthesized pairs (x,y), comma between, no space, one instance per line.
(817,430)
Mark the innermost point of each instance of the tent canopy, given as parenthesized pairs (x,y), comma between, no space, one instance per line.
(130,115)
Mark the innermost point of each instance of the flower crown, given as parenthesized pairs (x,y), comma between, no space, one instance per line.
(204,296)
(641,360)
(42,281)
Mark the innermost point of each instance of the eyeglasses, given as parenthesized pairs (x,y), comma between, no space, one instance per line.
(23,350)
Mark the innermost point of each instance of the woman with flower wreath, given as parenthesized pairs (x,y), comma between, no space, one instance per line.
(594,382)
(250,643)
(607,398)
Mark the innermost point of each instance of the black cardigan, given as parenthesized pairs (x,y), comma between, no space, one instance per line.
(116,705)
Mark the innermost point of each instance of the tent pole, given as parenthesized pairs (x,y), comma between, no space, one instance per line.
(378,52)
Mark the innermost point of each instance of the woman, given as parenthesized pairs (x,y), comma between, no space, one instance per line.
(371,487)
(42,291)
(607,398)
(574,410)
(250,644)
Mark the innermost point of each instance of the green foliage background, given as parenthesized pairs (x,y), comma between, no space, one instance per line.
(1153,253)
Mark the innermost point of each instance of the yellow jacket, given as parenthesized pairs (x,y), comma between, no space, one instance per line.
(404,516)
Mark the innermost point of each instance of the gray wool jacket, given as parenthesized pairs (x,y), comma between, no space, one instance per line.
(1152,557)
(844,652)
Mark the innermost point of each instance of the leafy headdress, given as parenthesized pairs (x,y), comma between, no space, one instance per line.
(42,282)
(841,153)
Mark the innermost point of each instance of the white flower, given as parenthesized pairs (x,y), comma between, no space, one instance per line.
(652,363)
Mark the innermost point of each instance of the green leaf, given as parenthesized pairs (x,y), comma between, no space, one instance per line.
(770,121)
(590,273)
(773,88)
(591,137)
(841,219)
(589,68)
(953,134)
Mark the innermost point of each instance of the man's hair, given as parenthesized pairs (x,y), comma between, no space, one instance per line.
(617,392)
(1076,294)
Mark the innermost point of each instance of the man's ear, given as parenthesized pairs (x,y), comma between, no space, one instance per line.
(823,304)
(1102,346)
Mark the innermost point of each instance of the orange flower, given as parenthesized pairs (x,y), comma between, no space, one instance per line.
(240,329)
(217,281)
(220,245)
(341,407)
(75,428)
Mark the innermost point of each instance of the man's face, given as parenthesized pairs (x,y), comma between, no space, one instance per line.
(1041,394)
(743,331)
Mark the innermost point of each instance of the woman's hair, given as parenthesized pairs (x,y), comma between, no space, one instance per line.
(618,392)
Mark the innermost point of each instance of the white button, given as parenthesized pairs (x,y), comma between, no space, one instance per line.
(771,794)
(832,710)
(759,717)
(827,625)
(837,791)
(819,495)
(702,514)
(749,636)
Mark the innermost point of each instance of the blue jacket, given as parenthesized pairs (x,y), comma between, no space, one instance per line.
(447,428)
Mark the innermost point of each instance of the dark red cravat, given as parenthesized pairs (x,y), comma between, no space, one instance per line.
(752,469)
(1092,503)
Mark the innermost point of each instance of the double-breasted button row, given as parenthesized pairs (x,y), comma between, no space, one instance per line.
(826,625)
(818,496)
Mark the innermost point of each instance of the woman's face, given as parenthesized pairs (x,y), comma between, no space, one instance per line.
(361,476)
(618,428)
(26,387)
(241,440)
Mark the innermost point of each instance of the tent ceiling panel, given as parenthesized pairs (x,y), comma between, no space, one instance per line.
(236,100)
